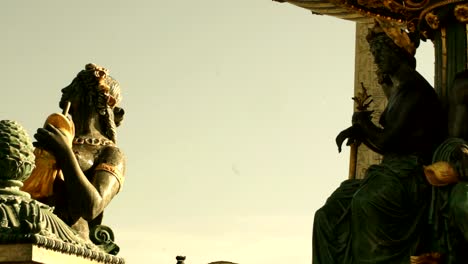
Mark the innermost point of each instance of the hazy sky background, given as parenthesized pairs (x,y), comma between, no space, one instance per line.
(232,108)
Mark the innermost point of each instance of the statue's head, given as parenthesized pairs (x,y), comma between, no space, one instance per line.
(388,56)
(460,84)
(94,91)
(458,107)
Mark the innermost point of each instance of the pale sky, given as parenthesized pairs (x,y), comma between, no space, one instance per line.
(232,108)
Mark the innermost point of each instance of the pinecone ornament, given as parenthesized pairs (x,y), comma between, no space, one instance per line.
(16,152)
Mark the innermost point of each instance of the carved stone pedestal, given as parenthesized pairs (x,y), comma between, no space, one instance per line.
(33,254)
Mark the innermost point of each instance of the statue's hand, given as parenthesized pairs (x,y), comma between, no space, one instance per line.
(52,139)
(361,117)
(351,133)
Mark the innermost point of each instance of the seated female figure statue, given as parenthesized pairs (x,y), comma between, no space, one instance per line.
(93,166)
(377,219)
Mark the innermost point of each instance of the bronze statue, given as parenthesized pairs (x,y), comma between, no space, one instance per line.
(405,125)
(378,219)
(93,166)
(449,176)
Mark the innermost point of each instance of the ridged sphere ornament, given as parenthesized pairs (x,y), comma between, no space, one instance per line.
(16,152)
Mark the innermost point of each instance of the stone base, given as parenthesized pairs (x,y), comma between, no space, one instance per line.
(33,254)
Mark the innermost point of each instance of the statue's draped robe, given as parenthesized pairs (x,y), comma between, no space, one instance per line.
(375,220)
(449,207)
(382,218)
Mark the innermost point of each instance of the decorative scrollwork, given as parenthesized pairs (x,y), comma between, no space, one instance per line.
(461,13)
(23,220)
(414,5)
(423,17)
(103,237)
(432,20)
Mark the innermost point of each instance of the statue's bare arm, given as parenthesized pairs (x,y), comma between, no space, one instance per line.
(108,178)
(87,198)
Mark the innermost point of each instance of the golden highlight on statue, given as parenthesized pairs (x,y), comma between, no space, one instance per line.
(41,182)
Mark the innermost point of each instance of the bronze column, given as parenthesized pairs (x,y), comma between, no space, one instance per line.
(447,29)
